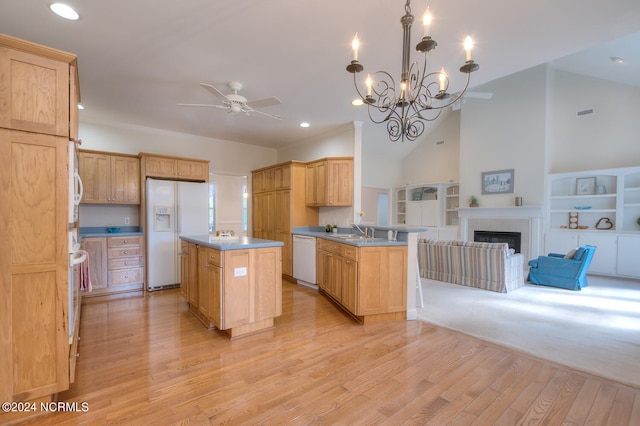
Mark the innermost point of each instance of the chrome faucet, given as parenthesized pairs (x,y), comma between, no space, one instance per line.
(373,232)
(361,231)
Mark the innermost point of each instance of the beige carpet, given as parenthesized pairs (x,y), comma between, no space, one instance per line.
(596,330)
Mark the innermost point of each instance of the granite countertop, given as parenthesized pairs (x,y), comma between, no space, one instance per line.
(233,243)
(381,236)
(101,231)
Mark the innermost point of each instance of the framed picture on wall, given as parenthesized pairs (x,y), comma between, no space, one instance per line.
(586,186)
(498,182)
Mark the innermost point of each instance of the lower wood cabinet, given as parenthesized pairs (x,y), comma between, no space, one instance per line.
(116,264)
(369,282)
(238,291)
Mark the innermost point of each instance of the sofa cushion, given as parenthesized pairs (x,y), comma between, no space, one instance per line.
(571,253)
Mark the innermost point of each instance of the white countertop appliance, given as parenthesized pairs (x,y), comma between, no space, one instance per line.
(304,260)
(173,209)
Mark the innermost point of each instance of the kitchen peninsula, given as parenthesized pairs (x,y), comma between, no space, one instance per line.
(372,278)
(232,283)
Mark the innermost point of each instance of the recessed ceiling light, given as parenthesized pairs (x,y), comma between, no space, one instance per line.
(304,124)
(616,60)
(357,102)
(64,11)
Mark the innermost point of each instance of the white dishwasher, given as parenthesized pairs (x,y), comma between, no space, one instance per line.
(304,260)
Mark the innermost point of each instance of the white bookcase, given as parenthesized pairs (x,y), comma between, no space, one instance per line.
(433,205)
(597,207)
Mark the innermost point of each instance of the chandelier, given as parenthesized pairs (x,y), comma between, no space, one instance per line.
(420,97)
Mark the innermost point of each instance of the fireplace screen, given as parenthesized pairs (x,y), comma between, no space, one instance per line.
(511,238)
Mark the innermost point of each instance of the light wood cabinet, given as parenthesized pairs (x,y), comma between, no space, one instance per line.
(238,291)
(109,178)
(176,168)
(35,123)
(329,182)
(184,269)
(97,249)
(279,205)
(35,91)
(116,264)
(33,266)
(369,282)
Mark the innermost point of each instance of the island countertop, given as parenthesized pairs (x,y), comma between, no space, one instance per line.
(230,243)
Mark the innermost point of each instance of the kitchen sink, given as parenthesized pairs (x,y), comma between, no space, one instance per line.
(347,236)
(355,237)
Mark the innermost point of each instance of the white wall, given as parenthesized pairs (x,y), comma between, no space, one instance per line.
(431,162)
(507,131)
(606,139)
(224,156)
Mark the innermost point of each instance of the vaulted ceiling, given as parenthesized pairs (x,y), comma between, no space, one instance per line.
(139,59)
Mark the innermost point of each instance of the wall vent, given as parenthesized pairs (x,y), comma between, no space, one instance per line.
(440,143)
(585,112)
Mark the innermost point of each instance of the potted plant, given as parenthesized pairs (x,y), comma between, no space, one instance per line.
(327,228)
(473,201)
(335,229)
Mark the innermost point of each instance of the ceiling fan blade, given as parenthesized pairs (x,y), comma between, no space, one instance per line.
(205,105)
(259,103)
(277,117)
(215,92)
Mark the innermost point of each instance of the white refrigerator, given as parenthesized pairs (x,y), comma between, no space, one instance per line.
(173,209)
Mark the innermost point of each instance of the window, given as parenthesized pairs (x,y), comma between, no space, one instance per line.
(212,203)
(228,201)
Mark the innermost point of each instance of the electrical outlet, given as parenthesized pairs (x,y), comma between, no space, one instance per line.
(240,272)
(126,220)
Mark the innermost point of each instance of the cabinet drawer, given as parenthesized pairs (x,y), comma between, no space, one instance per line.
(125,276)
(124,241)
(349,252)
(214,257)
(329,246)
(113,253)
(125,263)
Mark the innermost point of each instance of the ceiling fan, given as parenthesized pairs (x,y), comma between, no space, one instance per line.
(236,103)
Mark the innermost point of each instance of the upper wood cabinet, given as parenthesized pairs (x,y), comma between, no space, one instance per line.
(330,182)
(109,178)
(176,168)
(279,205)
(272,178)
(45,110)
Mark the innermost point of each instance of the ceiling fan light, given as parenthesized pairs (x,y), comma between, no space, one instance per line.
(304,124)
(64,11)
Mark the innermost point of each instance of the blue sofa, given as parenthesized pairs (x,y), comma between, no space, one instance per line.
(562,270)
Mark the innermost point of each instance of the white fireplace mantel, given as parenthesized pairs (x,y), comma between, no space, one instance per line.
(521,212)
(524,219)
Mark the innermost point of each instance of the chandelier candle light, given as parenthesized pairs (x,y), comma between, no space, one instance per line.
(421,97)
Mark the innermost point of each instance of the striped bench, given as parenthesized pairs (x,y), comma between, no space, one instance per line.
(490,266)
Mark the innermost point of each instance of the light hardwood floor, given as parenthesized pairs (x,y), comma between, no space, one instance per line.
(147,360)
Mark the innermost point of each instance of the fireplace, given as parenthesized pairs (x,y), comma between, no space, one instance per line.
(511,238)
(527,220)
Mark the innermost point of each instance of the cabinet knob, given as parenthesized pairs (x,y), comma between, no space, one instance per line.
(125,241)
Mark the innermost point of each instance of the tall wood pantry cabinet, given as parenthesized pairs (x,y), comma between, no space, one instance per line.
(279,205)
(38,117)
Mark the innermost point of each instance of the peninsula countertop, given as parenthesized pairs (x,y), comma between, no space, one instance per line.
(230,243)
(352,236)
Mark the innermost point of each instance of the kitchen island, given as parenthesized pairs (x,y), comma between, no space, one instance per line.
(232,283)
